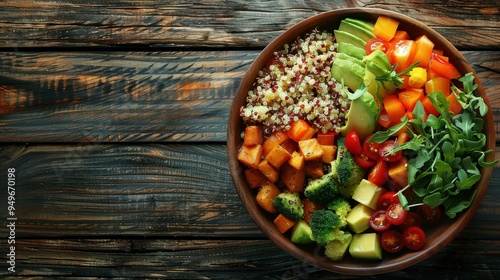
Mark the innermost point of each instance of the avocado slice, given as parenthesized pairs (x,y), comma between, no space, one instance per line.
(350,58)
(356,30)
(362,116)
(376,88)
(366,246)
(349,72)
(301,233)
(380,58)
(361,23)
(351,50)
(342,36)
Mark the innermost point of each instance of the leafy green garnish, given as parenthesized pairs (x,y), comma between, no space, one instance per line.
(446,151)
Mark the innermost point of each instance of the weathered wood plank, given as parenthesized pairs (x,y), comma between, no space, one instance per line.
(139,96)
(223,259)
(162,190)
(44,23)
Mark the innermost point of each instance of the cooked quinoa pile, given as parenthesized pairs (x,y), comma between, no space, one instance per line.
(296,84)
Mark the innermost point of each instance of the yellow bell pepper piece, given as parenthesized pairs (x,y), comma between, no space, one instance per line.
(418,77)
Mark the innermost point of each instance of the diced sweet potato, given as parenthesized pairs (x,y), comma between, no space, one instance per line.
(250,156)
(297,161)
(278,156)
(276,138)
(292,178)
(265,197)
(255,178)
(398,172)
(311,149)
(314,169)
(253,135)
(290,145)
(309,208)
(283,224)
(329,152)
(269,171)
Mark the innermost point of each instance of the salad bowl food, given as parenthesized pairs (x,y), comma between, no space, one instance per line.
(310,127)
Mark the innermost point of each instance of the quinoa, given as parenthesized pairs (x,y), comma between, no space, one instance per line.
(296,84)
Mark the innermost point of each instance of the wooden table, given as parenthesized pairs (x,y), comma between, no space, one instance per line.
(113,115)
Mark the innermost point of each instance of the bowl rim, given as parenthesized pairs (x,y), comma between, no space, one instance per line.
(244,192)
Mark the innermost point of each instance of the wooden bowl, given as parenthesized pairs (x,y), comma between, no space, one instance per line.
(437,237)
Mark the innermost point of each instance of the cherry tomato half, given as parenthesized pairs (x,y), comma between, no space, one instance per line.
(413,219)
(385,151)
(378,221)
(430,215)
(364,161)
(370,149)
(352,143)
(392,241)
(379,173)
(387,199)
(413,238)
(376,44)
(396,214)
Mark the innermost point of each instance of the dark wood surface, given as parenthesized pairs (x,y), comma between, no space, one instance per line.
(114,115)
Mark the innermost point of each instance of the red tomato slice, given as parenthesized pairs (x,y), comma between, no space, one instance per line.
(413,238)
(392,241)
(370,149)
(387,199)
(385,151)
(364,161)
(430,215)
(352,143)
(376,44)
(379,173)
(378,221)
(413,219)
(396,214)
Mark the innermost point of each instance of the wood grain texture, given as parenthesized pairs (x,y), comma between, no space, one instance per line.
(210,23)
(140,96)
(224,259)
(175,190)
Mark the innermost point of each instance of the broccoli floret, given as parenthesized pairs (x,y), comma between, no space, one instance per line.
(341,207)
(290,205)
(335,249)
(325,226)
(346,170)
(322,190)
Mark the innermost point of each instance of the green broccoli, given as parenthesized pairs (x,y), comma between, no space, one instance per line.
(346,170)
(322,190)
(325,226)
(290,205)
(341,207)
(335,249)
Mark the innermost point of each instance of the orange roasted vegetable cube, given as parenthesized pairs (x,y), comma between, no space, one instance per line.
(255,178)
(278,156)
(311,149)
(293,179)
(250,156)
(283,224)
(398,172)
(329,152)
(309,208)
(276,138)
(253,135)
(297,161)
(266,195)
(314,169)
(269,171)
(290,145)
